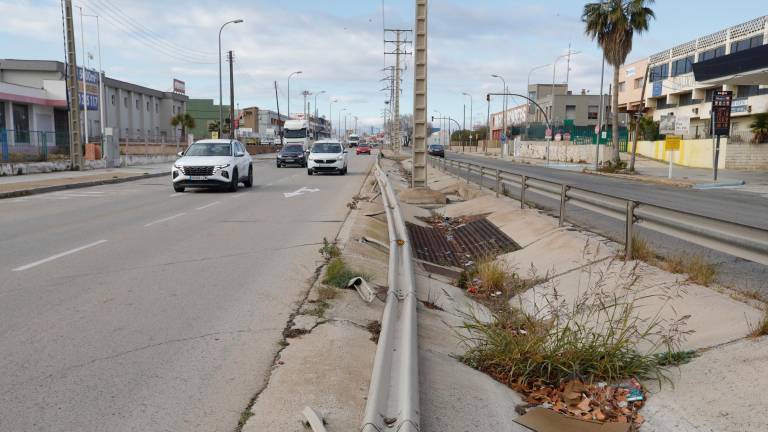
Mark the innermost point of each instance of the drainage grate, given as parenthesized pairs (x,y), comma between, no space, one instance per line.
(456,246)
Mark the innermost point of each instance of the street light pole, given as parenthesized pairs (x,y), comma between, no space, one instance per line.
(221,91)
(503,116)
(471,117)
(330,113)
(289,91)
(316,95)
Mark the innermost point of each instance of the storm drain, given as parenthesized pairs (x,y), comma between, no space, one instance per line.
(457,243)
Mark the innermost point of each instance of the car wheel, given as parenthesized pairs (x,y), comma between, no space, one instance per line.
(178,188)
(278,165)
(235,181)
(249,181)
(343,171)
(309,171)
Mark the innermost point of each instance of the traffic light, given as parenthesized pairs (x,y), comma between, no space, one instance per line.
(488,97)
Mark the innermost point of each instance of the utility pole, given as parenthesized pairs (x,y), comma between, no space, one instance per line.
(419,177)
(400,42)
(75,137)
(279,119)
(85,94)
(231,60)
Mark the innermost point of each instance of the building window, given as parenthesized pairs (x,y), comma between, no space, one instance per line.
(659,72)
(621,87)
(2,115)
(157,107)
(713,53)
(746,44)
(682,66)
(570,112)
(685,99)
(125,101)
(137,103)
(710,94)
(20,117)
(747,90)
(113,99)
(592,112)
(639,83)
(148,106)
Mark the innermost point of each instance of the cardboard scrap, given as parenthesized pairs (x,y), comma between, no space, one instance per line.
(545,420)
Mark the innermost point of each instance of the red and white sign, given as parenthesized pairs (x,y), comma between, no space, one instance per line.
(179,86)
(597,129)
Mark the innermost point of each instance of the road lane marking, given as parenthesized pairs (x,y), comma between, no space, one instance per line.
(164,220)
(207,205)
(57,256)
(299,192)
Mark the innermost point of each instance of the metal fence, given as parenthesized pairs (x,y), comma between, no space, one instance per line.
(731,238)
(32,146)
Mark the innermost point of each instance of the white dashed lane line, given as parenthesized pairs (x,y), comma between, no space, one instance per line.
(59,255)
(207,205)
(164,220)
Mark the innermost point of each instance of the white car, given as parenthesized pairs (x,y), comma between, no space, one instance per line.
(327,156)
(219,163)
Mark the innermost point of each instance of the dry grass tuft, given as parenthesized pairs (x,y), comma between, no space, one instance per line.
(697,269)
(761,329)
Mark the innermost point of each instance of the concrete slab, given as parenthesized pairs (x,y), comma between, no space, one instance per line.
(421,196)
(721,391)
(335,387)
(657,291)
(525,226)
(558,253)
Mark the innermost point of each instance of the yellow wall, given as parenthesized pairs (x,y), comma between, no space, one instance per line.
(693,153)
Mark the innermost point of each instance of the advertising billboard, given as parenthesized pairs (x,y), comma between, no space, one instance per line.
(91,88)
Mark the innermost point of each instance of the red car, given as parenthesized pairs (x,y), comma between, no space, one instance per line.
(363,149)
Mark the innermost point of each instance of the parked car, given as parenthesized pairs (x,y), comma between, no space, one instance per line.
(436,150)
(327,156)
(292,154)
(220,163)
(363,148)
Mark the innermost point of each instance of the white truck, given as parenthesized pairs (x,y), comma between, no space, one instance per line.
(297,132)
(354,140)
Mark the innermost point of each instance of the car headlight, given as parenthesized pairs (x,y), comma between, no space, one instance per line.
(179,167)
(220,167)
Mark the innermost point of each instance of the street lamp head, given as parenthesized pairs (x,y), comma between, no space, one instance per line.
(495,76)
(237,21)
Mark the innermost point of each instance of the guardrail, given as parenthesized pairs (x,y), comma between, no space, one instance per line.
(735,239)
(393,396)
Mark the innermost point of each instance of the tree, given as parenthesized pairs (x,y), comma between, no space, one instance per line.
(613,24)
(214,127)
(759,128)
(185,121)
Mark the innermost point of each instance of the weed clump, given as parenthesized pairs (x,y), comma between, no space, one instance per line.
(761,328)
(602,336)
(697,269)
(338,274)
(329,250)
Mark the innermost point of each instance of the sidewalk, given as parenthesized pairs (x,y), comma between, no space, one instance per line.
(13,186)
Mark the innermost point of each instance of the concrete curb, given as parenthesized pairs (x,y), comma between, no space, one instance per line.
(46,189)
(732,183)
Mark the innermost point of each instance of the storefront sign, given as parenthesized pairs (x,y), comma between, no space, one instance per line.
(91,88)
(179,86)
(739,105)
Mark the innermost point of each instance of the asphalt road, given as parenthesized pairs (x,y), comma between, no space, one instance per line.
(132,308)
(742,207)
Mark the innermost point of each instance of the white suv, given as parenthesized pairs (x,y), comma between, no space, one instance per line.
(213,163)
(327,156)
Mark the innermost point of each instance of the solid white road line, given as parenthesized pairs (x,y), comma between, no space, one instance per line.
(207,205)
(164,220)
(57,256)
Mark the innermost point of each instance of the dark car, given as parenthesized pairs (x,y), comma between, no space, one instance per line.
(436,150)
(292,154)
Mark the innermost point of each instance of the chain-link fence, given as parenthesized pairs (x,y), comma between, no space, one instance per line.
(33,146)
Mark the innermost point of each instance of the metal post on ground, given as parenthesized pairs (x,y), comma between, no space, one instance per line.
(498,182)
(523,186)
(717,157)
(231,95)
(629,233)
(563,200)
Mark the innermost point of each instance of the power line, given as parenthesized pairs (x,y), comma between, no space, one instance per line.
(148,41)
(150,33)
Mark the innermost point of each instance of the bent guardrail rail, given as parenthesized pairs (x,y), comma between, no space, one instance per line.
(393,395)
(732,238)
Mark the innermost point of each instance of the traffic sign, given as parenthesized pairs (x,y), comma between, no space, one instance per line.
(597,129)
(548,133)
(672,143)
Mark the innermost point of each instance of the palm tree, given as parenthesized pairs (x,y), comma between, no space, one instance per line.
(185,121)
(759,128)
(613,23)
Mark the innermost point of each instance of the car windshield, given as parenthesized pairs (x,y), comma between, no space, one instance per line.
(436,147)
(209,149)
(326,148)
(295,133)
(293,149)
